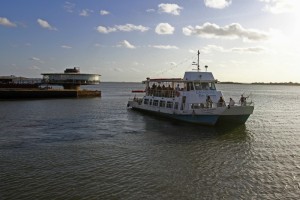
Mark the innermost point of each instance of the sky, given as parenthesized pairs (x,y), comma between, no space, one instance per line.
(129,40)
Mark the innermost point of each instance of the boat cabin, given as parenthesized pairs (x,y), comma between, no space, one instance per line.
(192,81)
(192,90)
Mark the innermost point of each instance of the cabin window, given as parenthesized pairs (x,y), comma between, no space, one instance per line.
(176,106)
(212,86)
(197,105)
(155,103)
(204,86)
(198,86)
(146,101)
(150,102)
(169,104)
(162,104)
(190,86)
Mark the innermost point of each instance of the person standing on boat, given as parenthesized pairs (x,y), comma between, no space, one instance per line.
(153,86)
(221,102)
(242,100)
(231,102)
(208,102)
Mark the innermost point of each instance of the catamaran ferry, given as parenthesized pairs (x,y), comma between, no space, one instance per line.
(193,98)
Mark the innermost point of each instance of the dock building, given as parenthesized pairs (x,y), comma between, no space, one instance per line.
(71,78)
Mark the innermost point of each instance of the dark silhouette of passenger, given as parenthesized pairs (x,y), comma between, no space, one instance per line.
(208,102)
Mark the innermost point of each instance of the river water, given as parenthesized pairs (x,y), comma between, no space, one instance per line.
(95,148)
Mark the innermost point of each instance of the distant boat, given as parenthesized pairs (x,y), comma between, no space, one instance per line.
(193,99)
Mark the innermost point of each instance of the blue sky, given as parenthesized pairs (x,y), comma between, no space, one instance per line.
(129,40)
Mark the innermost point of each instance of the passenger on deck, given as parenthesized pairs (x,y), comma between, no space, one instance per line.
(169,92)
(221,102)
(177,87)
(242,100)
(231,102)
(208,102)
(153,86)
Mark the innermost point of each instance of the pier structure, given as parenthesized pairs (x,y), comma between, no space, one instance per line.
(70,79)
(12,87)
(19,82)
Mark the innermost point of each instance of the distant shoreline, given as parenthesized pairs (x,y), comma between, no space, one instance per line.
(228,82)
(262,83)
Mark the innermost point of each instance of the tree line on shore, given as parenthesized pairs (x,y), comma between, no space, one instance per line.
(263,83)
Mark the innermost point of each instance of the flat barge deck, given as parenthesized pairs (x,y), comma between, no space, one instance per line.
(31,93)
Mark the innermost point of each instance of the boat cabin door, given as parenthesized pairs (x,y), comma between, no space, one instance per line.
(183,102)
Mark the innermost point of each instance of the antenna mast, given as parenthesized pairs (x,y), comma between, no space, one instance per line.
(198,66)
(194,63)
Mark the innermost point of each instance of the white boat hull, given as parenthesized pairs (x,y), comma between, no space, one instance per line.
(204,116)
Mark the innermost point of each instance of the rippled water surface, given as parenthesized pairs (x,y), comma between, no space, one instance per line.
(97,149)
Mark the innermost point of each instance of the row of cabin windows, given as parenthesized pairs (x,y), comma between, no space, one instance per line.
(200,86)
(162,104)
(169,91)
(169,104)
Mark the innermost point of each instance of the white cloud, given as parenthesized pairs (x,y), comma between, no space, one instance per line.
(35,59)
(98,45)
(214,48)
(131,27)
(135,63)
(126,44)
(164,29)
(150,10)
(173,9)
(69,7)
(218,4)
(85,12)
(66,47)
(135,69)
(210,48)
(102,29)
(163,46)
(5,22)
(193,51)
(249,50)
(104,12)
(124,28)
(45,24)
(34,67)
(280,6)
(232,31)
(117,69)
